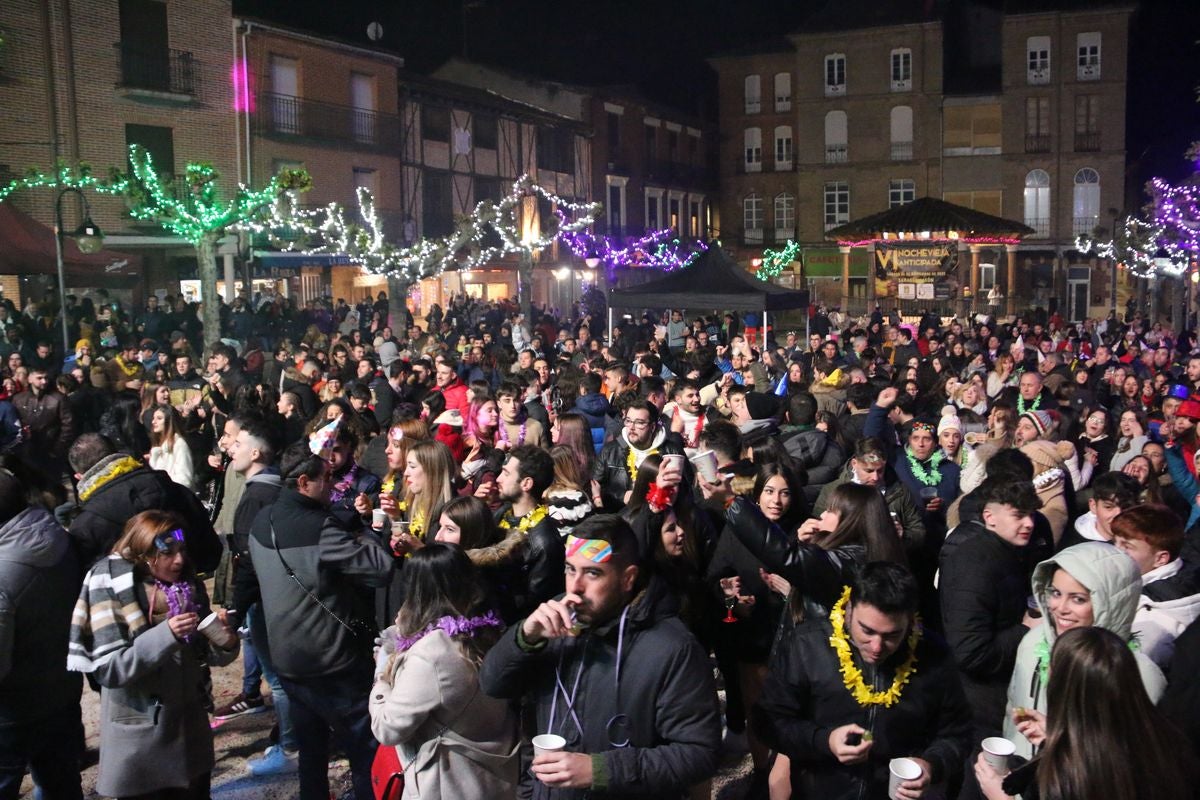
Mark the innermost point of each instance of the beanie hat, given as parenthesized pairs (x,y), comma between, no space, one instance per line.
(949,421)
(1042,420)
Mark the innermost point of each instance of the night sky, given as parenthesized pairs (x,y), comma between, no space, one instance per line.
(660,46)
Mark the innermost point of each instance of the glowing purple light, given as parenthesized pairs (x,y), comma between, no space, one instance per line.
(239,76)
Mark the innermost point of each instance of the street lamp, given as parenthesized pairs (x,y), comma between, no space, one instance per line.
(89,239)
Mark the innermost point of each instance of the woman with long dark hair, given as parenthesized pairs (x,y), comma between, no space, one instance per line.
(169,451)
(452,739)
(1100,736)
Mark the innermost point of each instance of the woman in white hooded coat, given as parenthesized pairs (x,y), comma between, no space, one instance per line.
(1088,584)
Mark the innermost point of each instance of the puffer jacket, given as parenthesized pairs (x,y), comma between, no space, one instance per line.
(1114,583)
(595,409)
(804,699)
(983,586)
(819,455)
(642,667)
(39,581)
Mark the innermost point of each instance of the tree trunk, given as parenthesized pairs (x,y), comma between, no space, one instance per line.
(397,300)
(525,286)
(206,258)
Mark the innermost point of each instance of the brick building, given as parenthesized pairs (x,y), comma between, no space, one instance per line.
(331,108)
(874,105)
(81,82)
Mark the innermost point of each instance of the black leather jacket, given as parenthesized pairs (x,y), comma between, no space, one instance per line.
(611,470)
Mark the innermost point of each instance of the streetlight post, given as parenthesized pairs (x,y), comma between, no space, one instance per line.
(87,236)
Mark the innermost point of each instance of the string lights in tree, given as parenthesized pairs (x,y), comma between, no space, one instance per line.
(659,249)
(192,209)
(774,263)
(1177,210)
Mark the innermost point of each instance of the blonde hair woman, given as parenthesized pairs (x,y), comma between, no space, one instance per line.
(428,474)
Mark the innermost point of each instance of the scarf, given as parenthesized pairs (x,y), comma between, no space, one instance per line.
(107,616)
(107,469)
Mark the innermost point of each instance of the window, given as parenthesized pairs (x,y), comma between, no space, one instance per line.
(1085,201)
(285,88)
(436,210)
(1087,65)
(901,70)
(836,137)
(159,142)
(753,94)
(614,132)
(555,149)
(783,91)
(616,206)
(987,277)
(651,143)
(694,220)
(673,213)
(835,74)
(837,204)
(972,130)
(145,59)
(901,191)
(988,201)
(362,99)
(485,130)
(673,145)
(653,209)
(1037,125)
(1087,123)
(785,217)
(901,122)
(435,123)
(752,218)
(1037,201)
(783,147)
(1037,49)
(753,150)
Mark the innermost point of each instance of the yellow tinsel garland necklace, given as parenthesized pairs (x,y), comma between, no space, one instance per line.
(528,521)
(631,462)
(852,676)
(129,370)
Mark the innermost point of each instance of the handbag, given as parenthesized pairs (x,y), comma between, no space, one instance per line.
(387,775)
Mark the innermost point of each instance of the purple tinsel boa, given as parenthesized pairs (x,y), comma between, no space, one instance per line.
(453,626)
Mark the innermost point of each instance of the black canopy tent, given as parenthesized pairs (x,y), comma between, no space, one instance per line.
(712,280)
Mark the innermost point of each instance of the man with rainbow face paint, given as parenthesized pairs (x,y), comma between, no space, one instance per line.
(611,670)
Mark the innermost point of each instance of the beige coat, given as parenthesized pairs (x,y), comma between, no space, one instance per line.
(453,740)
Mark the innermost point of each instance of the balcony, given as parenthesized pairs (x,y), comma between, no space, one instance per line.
(751,236)
(284,116)
(836,153)
(902,151)
(1038,76)
(1087,142)
(781,234)
(1037,143)
(162,71)
(1084,225)
(1040,225)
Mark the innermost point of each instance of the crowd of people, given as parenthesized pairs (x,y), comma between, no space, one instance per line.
(927,557)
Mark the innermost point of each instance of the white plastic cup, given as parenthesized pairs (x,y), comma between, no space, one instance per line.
(548,743)
(899,771)
(379,518)
(706,465)
(216,632)
(676,457)
(996,752)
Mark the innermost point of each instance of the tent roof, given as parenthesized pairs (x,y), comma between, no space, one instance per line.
(27,246)
(712,281)
(929,214)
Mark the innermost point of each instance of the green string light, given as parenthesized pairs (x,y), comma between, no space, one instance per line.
(774,263)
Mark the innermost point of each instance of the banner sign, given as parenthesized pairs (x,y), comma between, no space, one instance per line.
(916,271)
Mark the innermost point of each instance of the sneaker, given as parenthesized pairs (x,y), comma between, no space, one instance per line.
(240,705)
(275,761)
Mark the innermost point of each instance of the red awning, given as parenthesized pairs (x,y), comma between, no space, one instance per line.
(27,246)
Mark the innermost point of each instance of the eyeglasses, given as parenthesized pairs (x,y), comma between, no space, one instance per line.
(636,423)
(165,542)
